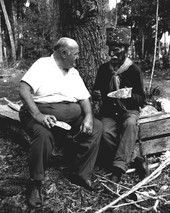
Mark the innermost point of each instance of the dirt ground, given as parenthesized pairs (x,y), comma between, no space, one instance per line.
(60,195)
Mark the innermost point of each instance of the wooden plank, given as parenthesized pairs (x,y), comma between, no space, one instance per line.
(155,117)
(153,146)
(155,128)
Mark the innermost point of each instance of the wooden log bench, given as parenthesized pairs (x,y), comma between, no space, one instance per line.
(154,130)
(10,123)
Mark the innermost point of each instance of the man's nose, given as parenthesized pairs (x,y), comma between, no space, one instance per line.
(76,58)
(117,50)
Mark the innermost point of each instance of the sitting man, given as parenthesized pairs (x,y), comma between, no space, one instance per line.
(52,90)
(119,111)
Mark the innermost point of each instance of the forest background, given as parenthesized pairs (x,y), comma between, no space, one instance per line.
(28,29)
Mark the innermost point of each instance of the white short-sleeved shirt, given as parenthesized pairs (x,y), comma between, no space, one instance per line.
(50,85)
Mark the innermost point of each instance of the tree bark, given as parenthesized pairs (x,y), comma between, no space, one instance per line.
(84,21)
(9,29)
(143,45)
(1,46)
(155,49)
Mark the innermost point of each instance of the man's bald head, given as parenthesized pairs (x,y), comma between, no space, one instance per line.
(66,52)
(65,44)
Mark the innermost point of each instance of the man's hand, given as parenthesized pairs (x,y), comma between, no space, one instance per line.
(47,120)
(25,92)
(87,125)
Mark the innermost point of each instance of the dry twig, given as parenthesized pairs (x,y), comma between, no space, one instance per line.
(137,186)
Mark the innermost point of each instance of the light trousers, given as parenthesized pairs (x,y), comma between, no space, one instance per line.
(119,137)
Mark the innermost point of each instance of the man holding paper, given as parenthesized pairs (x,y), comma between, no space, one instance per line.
(54,97)
(119,87)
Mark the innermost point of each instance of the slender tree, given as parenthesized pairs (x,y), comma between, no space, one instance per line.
(1,46)
(116,17)
(9,29)
(156,39)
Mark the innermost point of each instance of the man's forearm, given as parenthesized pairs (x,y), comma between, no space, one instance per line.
(31,106)
(86,107)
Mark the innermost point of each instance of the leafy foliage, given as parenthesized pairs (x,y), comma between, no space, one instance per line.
(32,28)
(140,15)
(37,30)
(35,23)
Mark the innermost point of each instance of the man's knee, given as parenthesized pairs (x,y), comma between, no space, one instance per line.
(42,134)
(106,131)
(132,123)
(98,125)
(109,134)
(98,128)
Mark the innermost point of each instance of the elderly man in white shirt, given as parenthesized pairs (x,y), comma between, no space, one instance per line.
(52,90)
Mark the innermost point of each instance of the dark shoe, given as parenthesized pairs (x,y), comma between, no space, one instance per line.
(116,174)
(86,183)
(35,196)
(115,179)
(141,166)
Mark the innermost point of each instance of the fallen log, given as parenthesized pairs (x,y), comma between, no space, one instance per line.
(10,122)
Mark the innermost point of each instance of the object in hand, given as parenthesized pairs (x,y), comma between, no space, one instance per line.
(121,93)
(62,125)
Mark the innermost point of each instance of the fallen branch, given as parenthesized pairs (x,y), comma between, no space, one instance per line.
(148,196)
(104,179)
(15,107)
(109,189)
(130,201)
(137,186)
(158,198)
(133,203)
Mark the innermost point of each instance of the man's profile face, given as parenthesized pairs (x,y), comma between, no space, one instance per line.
(117,54)
(72,55)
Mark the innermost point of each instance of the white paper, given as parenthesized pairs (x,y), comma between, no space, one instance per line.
(63,125)
(121,93)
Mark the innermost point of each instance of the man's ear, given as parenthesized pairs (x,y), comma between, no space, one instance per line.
(64,53)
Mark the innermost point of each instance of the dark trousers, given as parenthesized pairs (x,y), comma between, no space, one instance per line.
(119,136)
(43,139)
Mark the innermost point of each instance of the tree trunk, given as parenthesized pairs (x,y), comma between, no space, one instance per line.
(1,46)
(15,26)
(143,45)
(9,29)
(116,17)
(84,21)
(156,39)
